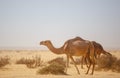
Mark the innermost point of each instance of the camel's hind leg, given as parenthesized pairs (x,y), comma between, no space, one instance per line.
(83,60)
(93,62)
(75,64)
(90,62)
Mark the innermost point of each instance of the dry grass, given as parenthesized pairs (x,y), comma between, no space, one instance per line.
(4,61)
(108,63)
(116,66)
(59,60)
(31,62)
(105,62)
(54,68)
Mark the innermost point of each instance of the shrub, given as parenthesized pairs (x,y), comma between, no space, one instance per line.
(38,61)
(21,61)
(58,60)
(54,68)
(116,66)
(4,61)
(105,62)
(108,63)
(31,62)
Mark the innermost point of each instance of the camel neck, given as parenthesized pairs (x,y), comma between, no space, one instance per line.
(55,50)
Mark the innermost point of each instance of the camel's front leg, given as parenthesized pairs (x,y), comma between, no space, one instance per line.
(75,64)
(82,62)
(67,63)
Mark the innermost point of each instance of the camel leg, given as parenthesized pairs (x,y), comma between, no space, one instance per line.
(67,63)
(82,59)
(75,64)
(93,56)
(89,64)
(93,62)
(85,60)
(93,69)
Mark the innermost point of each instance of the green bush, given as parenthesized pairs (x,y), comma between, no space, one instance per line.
(54,68)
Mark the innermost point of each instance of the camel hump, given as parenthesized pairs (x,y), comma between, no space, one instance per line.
(65,46)
(87,41)
(78,38)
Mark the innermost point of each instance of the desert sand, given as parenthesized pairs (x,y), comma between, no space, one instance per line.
(14,70)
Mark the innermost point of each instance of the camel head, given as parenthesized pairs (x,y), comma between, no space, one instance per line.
(46,42)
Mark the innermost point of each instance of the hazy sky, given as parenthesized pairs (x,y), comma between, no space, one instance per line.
(24,23)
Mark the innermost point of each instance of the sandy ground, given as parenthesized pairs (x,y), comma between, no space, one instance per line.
(21,71)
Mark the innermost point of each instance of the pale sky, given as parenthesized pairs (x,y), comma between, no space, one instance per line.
(24,23)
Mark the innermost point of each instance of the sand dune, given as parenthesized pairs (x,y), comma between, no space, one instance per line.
(13,70)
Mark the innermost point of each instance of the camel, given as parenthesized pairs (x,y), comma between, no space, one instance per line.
(74,47)
(85,48)
(98,51)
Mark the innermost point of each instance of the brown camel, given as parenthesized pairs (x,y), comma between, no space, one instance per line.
(78,47)
(98,51)
(74,47)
